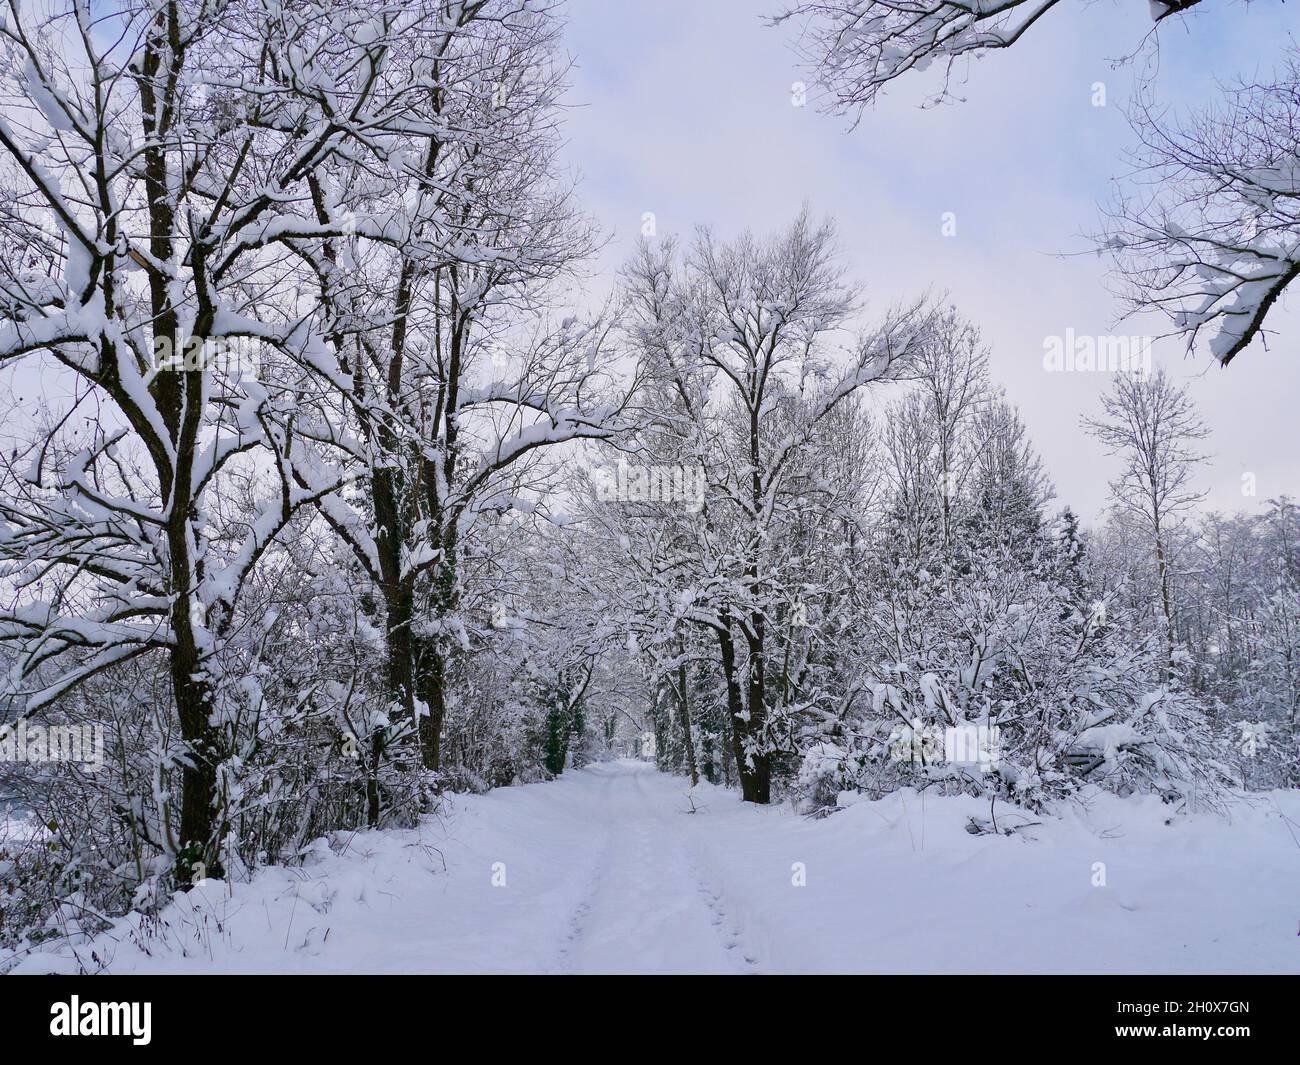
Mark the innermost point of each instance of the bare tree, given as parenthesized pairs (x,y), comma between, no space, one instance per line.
(1153,425)
(157,170)
(856,48)
(952,377)
(740,333)
(1208,238)
(1216,241)
(439,302)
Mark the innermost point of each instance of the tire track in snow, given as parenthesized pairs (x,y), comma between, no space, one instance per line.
(582,912)
(643,909)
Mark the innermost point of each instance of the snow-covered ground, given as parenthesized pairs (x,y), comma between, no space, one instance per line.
(608,870)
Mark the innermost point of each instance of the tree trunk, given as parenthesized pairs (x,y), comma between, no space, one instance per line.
(374,797)
(756,703)
(1162,565)
(399,607)
(754,770)
(432,682)
(434,656)
(685,707)
(198,852)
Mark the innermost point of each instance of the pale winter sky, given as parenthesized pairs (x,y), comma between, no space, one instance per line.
(683,108)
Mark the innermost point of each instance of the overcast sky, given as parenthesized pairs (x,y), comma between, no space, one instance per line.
(683,108)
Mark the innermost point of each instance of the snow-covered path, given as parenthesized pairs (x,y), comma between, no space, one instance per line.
(647,910)
(617,868)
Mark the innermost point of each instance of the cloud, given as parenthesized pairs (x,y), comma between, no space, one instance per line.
(684,109)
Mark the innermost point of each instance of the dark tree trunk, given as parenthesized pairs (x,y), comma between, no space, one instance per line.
(685,708)
(432,682)
(754,770)
(399,607)
(435,662)
(179,396)
(199,838)
(374,796)
(756,704)
(400,648)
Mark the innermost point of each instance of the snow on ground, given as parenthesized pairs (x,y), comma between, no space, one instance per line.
(607,870)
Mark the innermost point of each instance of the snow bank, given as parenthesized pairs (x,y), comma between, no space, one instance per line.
(608,870)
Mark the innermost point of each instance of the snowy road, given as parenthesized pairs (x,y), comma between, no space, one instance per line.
(648,910)
(608,870)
